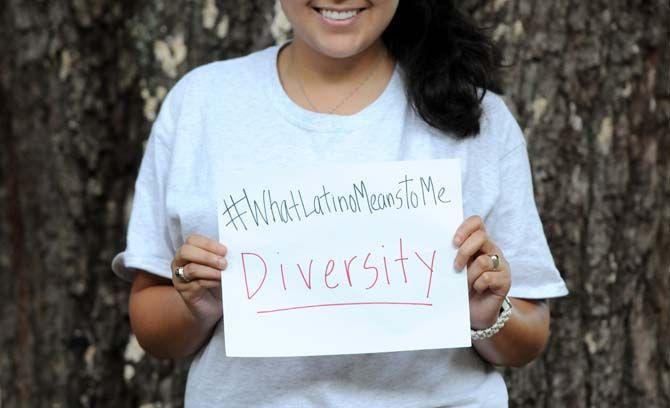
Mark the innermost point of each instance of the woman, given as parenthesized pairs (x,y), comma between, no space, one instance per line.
(362,80)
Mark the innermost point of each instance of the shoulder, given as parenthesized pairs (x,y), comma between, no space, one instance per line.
(237,68)
(209,78)
(218,79)
(498,126)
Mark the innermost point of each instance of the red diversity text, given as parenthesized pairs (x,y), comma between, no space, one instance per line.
(365,271)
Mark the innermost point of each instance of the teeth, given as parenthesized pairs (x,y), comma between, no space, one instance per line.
(338,15)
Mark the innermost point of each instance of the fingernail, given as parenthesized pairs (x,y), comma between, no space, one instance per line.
(223,263)
(457,240)
(457,266)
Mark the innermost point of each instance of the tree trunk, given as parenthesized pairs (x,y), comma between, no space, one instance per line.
(591,87)
(82,80)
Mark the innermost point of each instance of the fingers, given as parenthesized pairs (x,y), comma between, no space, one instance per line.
(495,281)
(208,284)
(207,244)
(480,242)
(481,276)
(188,253)
(198,277)
(471,245)
(480,265)
(467,227)
(194,271)
(471,237)
(197,289)
(196,284)
(203,260)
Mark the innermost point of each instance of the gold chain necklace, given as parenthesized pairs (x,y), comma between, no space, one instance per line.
(302,88)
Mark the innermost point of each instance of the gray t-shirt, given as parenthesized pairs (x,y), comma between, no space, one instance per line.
(235,113)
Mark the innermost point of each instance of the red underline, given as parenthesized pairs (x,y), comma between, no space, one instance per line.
(344,304)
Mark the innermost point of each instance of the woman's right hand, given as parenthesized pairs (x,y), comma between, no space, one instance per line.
(203,260)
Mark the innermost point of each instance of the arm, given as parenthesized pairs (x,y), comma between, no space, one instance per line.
(173,319)
(163,324)
(522,338)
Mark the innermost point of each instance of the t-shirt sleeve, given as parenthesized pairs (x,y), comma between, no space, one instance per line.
(515,226)
(148,243)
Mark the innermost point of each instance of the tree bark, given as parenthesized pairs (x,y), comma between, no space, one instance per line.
(590,85)
(82,80)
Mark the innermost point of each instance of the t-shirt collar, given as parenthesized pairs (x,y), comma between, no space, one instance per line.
(325,122)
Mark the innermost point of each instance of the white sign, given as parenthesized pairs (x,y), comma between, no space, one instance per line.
(343,259)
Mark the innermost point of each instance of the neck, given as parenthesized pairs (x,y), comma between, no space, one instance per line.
(334,85)
(314,66)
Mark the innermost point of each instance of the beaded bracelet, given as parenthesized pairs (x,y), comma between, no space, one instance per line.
(500,322)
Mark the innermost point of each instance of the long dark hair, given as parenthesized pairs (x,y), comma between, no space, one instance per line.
(449,63)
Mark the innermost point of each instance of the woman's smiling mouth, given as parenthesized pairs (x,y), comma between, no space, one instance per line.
(338,17)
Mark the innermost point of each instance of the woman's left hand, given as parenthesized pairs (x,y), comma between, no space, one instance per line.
(487,287)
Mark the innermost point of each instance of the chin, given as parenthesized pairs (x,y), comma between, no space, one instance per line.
(339,48)
(339,28)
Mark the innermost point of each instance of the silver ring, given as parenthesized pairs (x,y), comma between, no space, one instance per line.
(179,273)
(496,261)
